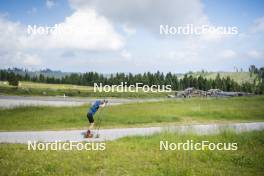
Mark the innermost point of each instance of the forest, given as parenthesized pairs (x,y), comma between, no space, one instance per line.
(147,78)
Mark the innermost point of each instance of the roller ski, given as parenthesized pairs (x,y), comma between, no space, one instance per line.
(89,134)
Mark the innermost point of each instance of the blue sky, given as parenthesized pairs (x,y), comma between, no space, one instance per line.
(123,36)
(18,10)
(234,12)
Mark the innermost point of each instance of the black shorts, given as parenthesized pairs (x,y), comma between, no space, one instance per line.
(90,118)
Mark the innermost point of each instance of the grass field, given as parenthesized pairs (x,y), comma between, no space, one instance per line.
(141,156)
(240,77)
(195,110)
(25,85)
(43,89)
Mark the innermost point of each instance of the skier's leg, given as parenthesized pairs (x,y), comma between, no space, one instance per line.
(91,126)
(91,120)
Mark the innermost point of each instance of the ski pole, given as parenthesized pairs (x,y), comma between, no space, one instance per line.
(99,124)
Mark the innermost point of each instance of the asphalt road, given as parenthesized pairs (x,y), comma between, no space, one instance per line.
(113,134)
(15,101)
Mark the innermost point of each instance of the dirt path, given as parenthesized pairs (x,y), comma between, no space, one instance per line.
(15,101)
(113,134)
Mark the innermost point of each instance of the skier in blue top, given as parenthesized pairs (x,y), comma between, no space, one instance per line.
(91,112)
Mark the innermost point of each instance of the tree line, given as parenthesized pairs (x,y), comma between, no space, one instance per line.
(158,78)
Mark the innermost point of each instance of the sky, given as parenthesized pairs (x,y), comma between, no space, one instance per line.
(124,36)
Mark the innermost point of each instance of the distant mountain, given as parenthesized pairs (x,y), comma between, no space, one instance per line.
(46,72)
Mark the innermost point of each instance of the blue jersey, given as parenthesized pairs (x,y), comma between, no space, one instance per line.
(94,107)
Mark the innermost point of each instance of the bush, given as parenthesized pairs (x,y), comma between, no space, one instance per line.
(13,82)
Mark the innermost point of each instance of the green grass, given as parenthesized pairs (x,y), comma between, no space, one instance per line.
(239,77)
(195,110)
(42,89)
(25,84)
(140,156)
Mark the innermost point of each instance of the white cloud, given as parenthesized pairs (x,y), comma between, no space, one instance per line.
(179,55)
(50,4)
(11,52)
(128,29)
(149,14)
(125,54)
(89,32)
(93,33)
(255,54)
(228,54)
(10,34)
(31,60)
(17,58)
(212,35)
(94,22)
(83,30)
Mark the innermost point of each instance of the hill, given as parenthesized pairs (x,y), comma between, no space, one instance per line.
(45,72)
(239,77)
